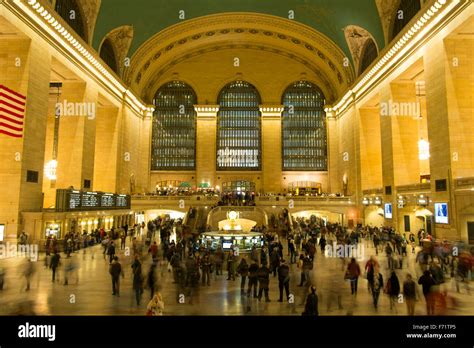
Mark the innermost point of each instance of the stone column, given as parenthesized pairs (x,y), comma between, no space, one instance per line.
(206,147)
(271,147)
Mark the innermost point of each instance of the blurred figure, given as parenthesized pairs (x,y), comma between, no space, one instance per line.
(376,287)
(54,264)
(156,305)
(231,265)
(151,280)
(427,282)
(392,289)
(353,273)
(410,294)
(311,306)
(28,271)
(206,267)
(70,266)
(243,271)
(253,279)
(2,278)
(111,251)
(137,279)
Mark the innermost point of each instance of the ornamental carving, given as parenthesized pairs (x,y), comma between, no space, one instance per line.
(356,38)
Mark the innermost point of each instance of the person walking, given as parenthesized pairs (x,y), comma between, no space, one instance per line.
(29,270)
(427,283)
(54,264)
(392,289)
(243,271)
(231,265)
(263,282)
(409,294)
(253,279)
(137,279)
(115,270)
(219,260)
(376,287)
(311,305)
(353,273)
(284,280)
(151,280)
(111,251)
(206,266)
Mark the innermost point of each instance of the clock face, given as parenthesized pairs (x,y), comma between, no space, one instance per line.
(232,215)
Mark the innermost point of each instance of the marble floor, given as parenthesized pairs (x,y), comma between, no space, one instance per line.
(89,291)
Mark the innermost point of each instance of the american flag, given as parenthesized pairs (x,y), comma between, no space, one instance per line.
(12,112)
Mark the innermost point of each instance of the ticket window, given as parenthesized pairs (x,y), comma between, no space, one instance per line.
(53,230)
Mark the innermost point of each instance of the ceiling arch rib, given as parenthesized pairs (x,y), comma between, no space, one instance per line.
(318,75)
(255,30)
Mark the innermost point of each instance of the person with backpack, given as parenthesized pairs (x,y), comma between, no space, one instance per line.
(253,279)
(392,289)
(115,270)
(243,271)
(263,282)
(311,305)
(284,280)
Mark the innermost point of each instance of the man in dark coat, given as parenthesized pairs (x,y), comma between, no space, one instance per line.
(253,279)
(263,282)
(54,264)
(284,280)
(115,271)
(311,306)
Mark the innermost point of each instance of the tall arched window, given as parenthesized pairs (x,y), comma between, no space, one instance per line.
(406,11)
(239,127)
(69,11)
(304,128)
(107,53)
(174,128)
(369,54)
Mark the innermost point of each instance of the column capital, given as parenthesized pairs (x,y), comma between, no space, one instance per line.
(271,111)
(206,111)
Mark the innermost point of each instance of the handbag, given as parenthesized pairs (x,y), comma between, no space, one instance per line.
(347,275)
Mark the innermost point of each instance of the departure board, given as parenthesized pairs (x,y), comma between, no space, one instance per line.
(75,200)
(90,200)
(107,200)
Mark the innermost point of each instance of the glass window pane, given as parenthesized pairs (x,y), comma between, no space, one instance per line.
(304,128)
(174,128)
(239,128)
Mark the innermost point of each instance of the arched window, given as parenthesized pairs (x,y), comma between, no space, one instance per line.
(69,11)
(304,128)
(369,54)
(239,127)
(406,11)
(107,53)
(174,128)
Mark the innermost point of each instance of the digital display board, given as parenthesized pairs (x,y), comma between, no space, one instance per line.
(90,200)
(74,200)
(107,200)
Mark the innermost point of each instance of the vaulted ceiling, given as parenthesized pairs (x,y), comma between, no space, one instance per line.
(148,17)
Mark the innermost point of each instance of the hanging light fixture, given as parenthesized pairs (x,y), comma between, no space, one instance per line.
(423,149)
(50,169)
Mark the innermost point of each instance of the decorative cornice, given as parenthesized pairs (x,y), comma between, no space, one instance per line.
(206,111)
(55,29)
(271,111)
(426,23)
